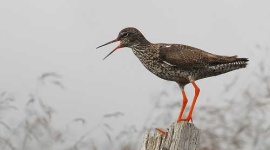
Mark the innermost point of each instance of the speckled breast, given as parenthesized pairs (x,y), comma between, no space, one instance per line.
(151,61)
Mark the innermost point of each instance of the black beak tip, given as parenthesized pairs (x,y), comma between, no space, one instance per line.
(99,47)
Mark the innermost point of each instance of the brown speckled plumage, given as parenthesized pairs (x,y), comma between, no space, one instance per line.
(176,62)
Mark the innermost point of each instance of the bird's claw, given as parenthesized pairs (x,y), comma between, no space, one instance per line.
(164,133)
(186,119)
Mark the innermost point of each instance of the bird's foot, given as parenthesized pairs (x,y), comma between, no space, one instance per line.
(186,119)
(163,132)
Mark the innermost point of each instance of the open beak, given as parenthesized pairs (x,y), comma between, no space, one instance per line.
(113,49)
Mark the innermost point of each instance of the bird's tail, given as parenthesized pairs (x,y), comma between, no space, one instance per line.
(227,64)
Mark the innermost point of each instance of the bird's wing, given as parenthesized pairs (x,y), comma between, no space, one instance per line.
(188,58)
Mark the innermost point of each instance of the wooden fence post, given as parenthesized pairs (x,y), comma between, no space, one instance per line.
(180,136)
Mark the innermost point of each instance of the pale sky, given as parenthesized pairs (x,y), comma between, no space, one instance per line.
(61,36)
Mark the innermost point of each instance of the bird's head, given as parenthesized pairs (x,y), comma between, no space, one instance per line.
(128,37)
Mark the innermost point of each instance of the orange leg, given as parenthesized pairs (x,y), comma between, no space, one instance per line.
(184,104)
(197,91)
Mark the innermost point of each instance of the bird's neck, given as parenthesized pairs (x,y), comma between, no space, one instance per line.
(141,47)
(140,43)
(141,50)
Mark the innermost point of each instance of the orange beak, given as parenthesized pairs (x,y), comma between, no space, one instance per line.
(113,49)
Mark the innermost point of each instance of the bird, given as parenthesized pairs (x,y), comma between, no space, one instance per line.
(177,62)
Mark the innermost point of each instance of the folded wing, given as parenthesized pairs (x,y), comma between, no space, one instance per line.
(190,58)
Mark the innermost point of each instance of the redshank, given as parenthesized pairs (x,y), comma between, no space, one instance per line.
(176,62)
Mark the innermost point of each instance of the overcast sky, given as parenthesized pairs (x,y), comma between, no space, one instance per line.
(61,36)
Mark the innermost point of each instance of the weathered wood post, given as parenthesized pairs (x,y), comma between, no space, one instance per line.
(180,136)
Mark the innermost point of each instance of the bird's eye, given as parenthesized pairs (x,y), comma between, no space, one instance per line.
(125,34)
